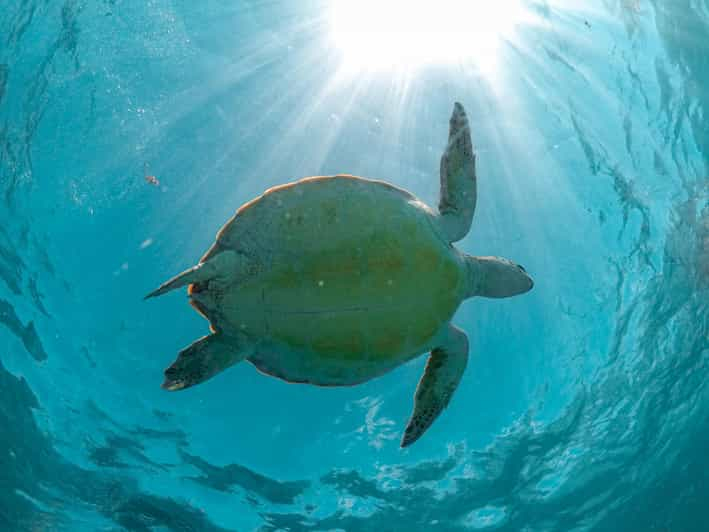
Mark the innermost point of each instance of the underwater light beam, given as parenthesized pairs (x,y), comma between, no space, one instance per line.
(375,35)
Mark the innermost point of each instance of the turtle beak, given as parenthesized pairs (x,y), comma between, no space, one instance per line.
(172,385)
(529,278)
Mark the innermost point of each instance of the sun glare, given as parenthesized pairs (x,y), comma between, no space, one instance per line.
(409,33)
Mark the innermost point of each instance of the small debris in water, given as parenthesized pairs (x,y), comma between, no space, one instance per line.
(149,178)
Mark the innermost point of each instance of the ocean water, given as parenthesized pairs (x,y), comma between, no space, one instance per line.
(584,405)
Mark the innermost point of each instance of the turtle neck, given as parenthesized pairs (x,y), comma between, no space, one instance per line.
(475,274)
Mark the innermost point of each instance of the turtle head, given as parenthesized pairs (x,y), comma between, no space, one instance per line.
(496,277)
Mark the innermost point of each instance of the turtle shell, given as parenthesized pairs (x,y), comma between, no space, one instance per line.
(344,268)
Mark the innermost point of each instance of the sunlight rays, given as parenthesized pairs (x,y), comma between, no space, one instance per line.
(388,35)
(371,72)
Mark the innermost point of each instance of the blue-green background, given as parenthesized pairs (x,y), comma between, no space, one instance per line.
(585,403)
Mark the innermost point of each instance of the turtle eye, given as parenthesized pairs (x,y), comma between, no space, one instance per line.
(521,268)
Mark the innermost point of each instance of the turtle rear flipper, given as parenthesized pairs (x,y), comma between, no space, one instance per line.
(223,266)
(205,358)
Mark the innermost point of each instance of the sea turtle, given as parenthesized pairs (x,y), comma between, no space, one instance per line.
(335,280)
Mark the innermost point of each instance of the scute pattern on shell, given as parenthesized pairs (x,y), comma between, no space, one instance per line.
(349,273)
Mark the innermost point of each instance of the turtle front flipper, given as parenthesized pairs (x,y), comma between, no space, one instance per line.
(205,358)
(456,205)
(443,372)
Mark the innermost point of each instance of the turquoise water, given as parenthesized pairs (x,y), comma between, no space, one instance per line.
(584,406)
